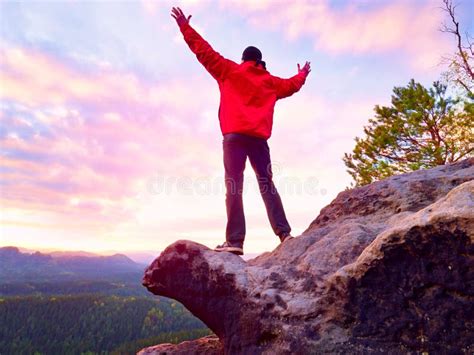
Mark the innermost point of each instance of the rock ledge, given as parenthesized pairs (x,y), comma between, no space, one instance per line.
(387,267)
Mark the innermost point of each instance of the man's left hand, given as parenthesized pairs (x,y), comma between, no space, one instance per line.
(305,70)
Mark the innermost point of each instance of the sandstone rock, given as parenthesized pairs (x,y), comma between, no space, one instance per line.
(209,345)
(387,267)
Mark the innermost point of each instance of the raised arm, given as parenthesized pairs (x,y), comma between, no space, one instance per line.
(214,63)
(287,87)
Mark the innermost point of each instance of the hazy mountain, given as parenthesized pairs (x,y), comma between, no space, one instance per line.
(16,266)
(142,257)
(58,254)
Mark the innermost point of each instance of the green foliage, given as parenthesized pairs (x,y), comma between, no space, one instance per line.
(92,324)
(457,72)
(124,287)
(171,337)
(422,128)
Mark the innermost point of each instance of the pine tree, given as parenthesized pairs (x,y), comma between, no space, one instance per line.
(422,128)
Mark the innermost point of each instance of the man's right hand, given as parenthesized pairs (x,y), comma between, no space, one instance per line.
(178,15)
(305,70)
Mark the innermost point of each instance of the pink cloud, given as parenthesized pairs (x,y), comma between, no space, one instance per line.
(151,7)
(36,79)
(108,131)
(384,27)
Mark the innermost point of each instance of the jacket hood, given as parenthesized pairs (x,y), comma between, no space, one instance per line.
(250,64)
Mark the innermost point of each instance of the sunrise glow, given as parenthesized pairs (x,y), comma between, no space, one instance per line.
(109,135)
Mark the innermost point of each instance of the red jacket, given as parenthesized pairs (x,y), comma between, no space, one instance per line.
(248,92)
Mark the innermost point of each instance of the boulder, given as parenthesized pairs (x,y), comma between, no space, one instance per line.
(209,345)
(387,267)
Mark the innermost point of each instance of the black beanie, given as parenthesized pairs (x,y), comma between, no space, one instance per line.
(252,53)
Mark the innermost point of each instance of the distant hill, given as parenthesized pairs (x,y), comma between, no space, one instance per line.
(59,254)
(16,266)
(140,257)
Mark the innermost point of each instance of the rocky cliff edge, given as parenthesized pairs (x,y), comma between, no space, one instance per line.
(387,267)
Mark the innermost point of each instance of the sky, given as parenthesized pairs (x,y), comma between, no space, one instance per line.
(109,134)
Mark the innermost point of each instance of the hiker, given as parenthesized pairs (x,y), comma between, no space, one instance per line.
(248,96)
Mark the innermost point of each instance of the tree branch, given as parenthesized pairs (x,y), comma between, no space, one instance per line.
(462,155)
(470,46)
(450,9)
(460,82)
(392,157)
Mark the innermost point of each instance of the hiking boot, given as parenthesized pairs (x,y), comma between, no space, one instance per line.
(285,237)
(226,246)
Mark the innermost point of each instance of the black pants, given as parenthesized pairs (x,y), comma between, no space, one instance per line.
(237,147)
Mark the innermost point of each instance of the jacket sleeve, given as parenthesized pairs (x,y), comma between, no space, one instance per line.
(215,64)
(287,87)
